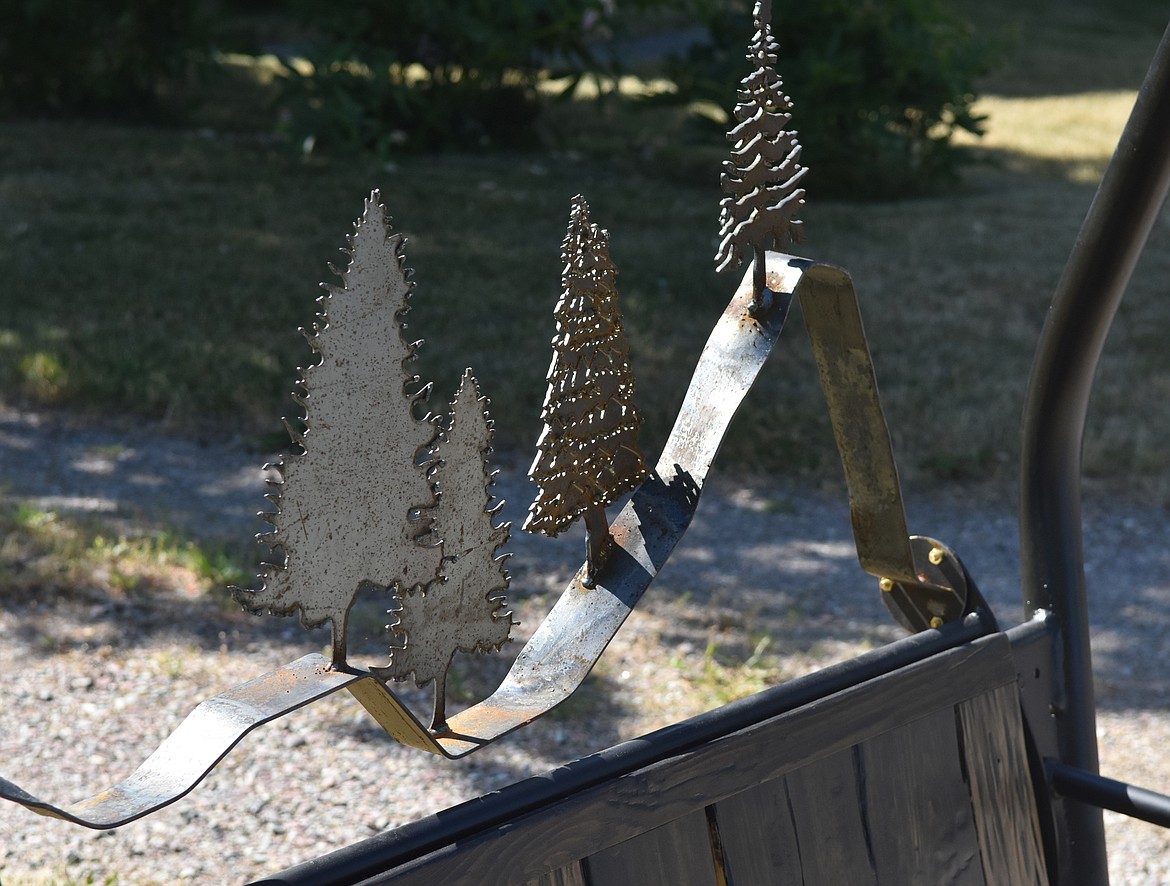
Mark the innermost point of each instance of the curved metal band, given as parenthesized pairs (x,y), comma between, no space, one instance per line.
(1112,237)
(564,648)
(201,741)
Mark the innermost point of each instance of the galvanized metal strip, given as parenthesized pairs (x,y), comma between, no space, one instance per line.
(566,646)
(560,654)
(828,302)
(200,742)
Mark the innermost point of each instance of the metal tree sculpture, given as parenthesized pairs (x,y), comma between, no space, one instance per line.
(343,503)
(761,178)
(463,610)
(587,455)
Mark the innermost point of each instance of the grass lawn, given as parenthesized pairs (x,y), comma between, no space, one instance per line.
(162,274)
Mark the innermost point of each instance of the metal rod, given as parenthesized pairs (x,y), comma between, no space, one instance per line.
(1088,787)
(1110,241)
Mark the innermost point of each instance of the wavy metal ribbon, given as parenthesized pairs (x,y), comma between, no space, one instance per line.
(566,646)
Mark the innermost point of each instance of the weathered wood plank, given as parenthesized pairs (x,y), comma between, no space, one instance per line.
(618,810)
(759,836)
(675,854)
(570,875)
(916,806)
(1001,788)
(830,830)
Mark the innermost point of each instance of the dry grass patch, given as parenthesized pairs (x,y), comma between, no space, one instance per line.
(1073,135)
(48,556)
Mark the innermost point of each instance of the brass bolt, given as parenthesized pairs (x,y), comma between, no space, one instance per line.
(936,556)
(936,622)
(886,584)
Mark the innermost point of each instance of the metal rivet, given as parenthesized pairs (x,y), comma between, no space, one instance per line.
(936,556)
(936,622)
(886,584)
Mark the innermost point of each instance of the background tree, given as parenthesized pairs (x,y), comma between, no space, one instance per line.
(351,508)
(463,611)
(587,455)
(761,180)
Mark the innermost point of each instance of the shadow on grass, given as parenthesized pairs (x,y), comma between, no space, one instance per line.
(1051,48)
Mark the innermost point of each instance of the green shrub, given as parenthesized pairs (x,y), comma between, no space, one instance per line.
(880,86)
(426,75)
(131,59)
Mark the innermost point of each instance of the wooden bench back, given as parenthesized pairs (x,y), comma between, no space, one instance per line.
(917,776)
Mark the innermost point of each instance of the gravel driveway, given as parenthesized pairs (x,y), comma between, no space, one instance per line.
(91,687)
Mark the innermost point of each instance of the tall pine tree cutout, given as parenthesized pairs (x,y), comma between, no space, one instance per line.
(587,455)
(761,180)
(351,506)
(464,610)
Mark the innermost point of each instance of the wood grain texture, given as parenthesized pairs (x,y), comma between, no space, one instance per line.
(570,875)
(1000,786)
(674,854)
(830,829)
(916,807)
(759,836)
(618,810)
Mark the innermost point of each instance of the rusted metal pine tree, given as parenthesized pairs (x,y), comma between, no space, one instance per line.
(761,180)
(587,455)
(464,610)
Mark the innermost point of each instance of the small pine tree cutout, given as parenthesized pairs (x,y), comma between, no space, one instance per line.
(587,455)
(463,611)
(761,180)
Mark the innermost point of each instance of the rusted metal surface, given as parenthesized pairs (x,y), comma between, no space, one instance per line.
(361,506)
(762,178)
(464,610)
(942,593)
(828,303)
(584,620)
(567,645)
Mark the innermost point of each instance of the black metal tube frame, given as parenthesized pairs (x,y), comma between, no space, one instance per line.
(1110,242)
(1107,793)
